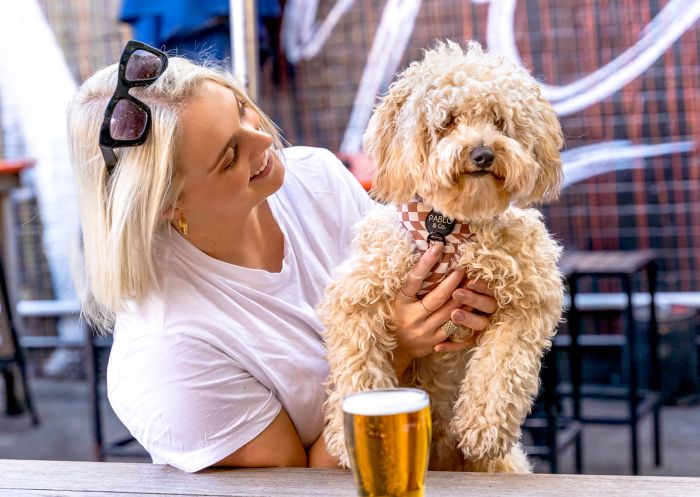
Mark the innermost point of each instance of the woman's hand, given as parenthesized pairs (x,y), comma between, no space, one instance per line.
(418,333)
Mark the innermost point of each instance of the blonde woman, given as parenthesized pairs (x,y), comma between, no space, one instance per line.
(206,247)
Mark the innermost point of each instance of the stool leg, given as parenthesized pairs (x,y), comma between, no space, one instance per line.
(93,373)
(549,384)
(578,454)
(34,415)
(632,371)
(13,406)
(653,333)
(655,369)
(573,319)
(574,350)
(19,354)
(657,435)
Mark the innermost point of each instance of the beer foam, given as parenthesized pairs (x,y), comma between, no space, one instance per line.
(386,402)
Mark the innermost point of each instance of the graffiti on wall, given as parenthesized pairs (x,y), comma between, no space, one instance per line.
(305,36)
(623,76)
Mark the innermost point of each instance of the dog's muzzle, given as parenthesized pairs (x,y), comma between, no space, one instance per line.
(482,157)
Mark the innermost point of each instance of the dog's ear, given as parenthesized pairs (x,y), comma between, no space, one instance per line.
(384,143)
(548,144)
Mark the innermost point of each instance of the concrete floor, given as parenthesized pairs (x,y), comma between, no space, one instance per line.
(65,434)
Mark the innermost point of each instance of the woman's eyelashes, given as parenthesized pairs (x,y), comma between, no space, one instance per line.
(242,107)
(233,161)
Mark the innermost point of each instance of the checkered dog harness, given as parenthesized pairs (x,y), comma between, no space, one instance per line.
(425,225)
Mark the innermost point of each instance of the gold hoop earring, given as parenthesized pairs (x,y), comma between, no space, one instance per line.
(184,228)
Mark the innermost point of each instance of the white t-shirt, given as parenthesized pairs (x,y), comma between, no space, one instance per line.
(202,366)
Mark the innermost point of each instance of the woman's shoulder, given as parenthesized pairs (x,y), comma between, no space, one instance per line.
(318,174)
(315,168)
(302,156)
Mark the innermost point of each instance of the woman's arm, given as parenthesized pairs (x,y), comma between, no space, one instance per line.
(277,445)
(319,456)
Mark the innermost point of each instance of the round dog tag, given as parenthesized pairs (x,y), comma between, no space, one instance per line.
(439,226)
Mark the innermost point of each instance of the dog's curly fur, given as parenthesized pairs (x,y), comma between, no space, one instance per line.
(420,137)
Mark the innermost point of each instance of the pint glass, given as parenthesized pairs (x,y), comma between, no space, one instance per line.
(387,433)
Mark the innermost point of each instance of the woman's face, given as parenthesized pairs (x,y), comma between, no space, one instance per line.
(227,162)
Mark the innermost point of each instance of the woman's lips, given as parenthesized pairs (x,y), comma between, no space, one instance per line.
(265,170)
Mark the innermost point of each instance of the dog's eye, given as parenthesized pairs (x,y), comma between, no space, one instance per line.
(501,126)
(449,122)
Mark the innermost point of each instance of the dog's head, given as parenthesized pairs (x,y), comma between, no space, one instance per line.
(469,132)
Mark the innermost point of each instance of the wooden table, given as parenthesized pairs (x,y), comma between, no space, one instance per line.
(89,479)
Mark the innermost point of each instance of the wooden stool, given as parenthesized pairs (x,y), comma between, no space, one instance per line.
(12,359)
(623,266)
(547,423)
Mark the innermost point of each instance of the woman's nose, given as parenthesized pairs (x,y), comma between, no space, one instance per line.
(259,141)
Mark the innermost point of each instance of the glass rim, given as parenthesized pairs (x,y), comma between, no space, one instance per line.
(414,406)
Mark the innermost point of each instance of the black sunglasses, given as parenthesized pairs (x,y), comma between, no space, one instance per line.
(127,119)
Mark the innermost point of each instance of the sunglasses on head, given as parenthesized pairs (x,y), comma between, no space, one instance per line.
(127,119)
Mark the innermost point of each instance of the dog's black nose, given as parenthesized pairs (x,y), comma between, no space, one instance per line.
(482,157)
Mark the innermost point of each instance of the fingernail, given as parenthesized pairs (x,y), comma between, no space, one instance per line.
(459,295)
(440,348)
(436,248)
(458,316)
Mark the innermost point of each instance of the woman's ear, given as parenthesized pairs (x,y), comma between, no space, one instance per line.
(171,213)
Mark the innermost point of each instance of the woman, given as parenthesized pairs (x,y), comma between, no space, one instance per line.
(206,248)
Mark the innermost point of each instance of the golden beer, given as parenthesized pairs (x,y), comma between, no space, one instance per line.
(387,433)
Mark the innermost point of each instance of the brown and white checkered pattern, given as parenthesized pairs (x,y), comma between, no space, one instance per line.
(413,216)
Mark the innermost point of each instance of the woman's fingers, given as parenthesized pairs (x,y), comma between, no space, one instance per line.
(443,292)
(455,346)
(476,322)
(478,301)
(458,316)
(421,270)
(435,320)
(480,286)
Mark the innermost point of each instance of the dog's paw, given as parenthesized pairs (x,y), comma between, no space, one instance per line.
(486,441)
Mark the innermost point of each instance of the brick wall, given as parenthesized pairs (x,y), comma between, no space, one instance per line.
(651,202)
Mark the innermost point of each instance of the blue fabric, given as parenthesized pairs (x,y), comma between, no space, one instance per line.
(157,21)
(192,28)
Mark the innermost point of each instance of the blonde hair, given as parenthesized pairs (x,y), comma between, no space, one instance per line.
(122,213)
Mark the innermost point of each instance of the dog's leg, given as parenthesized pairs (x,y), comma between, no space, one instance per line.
(514,461)
(357,313)
(501,381)
(503,371)
(439,375)
(358,363)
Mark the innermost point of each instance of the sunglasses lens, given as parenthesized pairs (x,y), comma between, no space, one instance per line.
(128,121)
(143,65)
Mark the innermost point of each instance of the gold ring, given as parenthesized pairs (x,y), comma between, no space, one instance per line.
(428,311)
(449,328)
(406,297)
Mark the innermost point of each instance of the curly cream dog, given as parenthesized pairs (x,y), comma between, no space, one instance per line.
(471,135)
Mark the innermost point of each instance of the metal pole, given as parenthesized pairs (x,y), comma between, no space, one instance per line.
(239,65)
(244,44)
